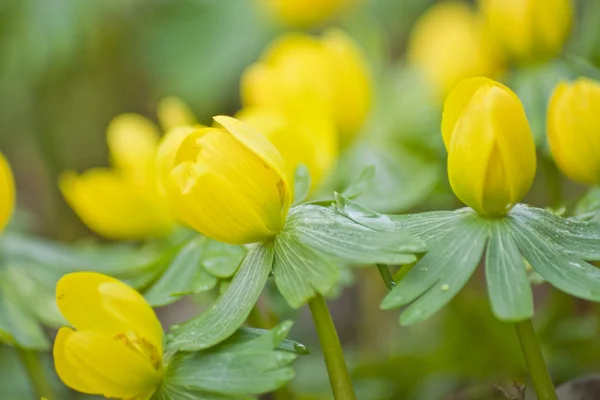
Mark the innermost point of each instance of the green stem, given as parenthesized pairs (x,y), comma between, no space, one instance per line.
(386,276)
(553,179)
(341,385)
(542,382)
(35,370)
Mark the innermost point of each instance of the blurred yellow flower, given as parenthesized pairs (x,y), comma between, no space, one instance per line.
(174,113)
(304,13)
(449,44)
(307,138)
(329,74)
(529,30)
(491,153)
(574,129)
(230,183)
(116,349)
(123,202)
(7,192)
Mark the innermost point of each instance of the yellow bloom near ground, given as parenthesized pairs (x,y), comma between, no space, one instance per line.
(116,348)
(491,152)
(7,192)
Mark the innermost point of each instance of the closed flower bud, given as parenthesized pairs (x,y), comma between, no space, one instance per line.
(7,192)
(303,13)
(574,129)
(116,348)
(449,44)
(123,202)
(529,30)
(491,153)
(329,74)
(230,184)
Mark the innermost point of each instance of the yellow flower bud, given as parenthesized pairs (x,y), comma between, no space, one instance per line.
(123,202)
(230,184)
(574,129)
(174,113)
(116,349)
(7,192)
(307,138)
(329,74)
(304,13)
(449,44)
(529,30)
(491,153)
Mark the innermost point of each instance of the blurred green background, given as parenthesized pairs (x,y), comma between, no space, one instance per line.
(69,66)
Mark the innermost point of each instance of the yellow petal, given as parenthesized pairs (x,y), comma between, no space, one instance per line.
(214,206)
(94,363)
(174,113)
(133,141)
(304,13)
(95,302)
(111,205)
(167,151)
(573,121)
(7,192)
(267,153)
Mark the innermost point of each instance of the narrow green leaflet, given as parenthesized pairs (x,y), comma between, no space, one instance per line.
(245,364)
(301,184)
(442,272)
(361,185)
(507,282)
(231,309)
(328,231)
(580,239)
(300,272)
(563,270)
(589,204)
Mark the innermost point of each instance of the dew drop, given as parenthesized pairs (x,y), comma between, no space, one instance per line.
(445,287)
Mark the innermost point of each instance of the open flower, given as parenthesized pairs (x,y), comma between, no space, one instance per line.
(449,44)
(491,153)
(7,192)
(574,129)
(529,30)
(123,202)
(230,183)
(116,349)
(329,74)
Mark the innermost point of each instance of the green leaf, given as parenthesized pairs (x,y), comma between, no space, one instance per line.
(580,239)
(231,309)
(563,270)
(360,185)
(222,259)
(507,281)
(442,272)
(589,204)
(300,272)
(301,183)
(326,230)
(184,276)
(243,364)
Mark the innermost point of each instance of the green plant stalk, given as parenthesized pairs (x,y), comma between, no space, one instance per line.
(35,370)
(339,378)
(542,382)
(386,275)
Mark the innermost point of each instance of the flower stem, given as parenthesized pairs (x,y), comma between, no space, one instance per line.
(542,382)
(386,276)
(341,385)
(32,363)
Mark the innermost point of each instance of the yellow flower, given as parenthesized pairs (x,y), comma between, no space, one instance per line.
(491,153)
(304,13)
(230,184)
(448,44)
(328,73)
(307,138)
(116,349)
(174,113)
(123,202)
(574,129)
(7,192)
(529,30)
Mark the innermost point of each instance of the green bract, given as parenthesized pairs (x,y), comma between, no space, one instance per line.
(457,241)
